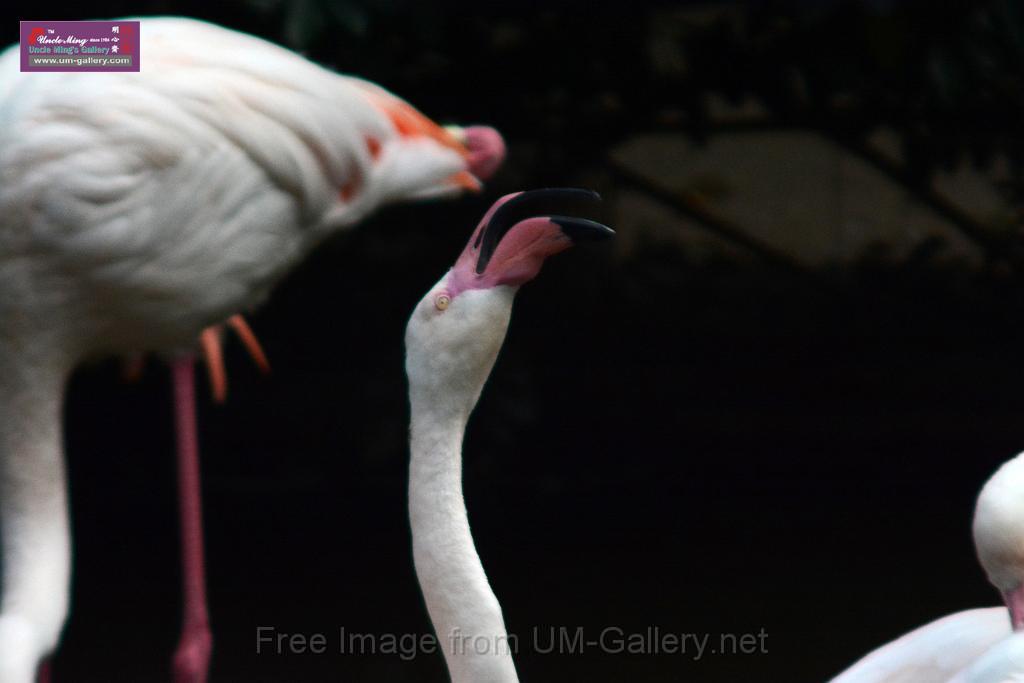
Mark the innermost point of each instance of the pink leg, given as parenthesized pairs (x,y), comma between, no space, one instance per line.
(45,673)
(192,658)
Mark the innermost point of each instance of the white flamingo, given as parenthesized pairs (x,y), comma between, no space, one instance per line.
(452,340)
(136,210)
(941,649)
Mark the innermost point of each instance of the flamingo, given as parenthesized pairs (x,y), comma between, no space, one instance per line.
(948,646)
(452,340)
(139,209)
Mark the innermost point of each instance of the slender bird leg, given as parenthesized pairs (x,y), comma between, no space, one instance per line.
(192,658)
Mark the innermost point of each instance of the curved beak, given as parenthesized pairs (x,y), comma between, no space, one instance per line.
(521,231)
(485,149)
(582,229)
(552,204)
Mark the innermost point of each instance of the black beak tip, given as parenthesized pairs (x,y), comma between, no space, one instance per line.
(538,203)
(582,229)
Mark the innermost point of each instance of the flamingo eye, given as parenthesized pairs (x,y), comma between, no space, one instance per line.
(442,301)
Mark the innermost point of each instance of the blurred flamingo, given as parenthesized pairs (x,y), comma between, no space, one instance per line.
(941,649)
(139,209)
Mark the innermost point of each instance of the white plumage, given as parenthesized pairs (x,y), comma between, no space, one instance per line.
(947,647)
(452,340)
(175,197)
(933,652)
(137,209)
(1002,663)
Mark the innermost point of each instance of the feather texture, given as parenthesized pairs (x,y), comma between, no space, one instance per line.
(169,199)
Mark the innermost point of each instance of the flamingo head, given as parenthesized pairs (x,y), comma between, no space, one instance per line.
(424,159)
(999,534)
(423,165)
(457,329)
(457,159)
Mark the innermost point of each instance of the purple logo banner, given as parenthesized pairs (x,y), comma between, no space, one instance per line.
(79,46)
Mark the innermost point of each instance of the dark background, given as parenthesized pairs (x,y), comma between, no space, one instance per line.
(697,444)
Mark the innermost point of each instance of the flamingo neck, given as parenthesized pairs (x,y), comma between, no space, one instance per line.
(1014,601)
(34,531)
(465,613)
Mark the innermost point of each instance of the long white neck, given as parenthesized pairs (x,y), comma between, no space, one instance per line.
(33,505)
(466,615)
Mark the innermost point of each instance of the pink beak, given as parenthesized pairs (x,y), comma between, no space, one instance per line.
(519,232)
(486,150)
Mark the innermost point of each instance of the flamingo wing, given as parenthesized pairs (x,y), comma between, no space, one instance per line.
(194,184)
(1002,663)
(933,652)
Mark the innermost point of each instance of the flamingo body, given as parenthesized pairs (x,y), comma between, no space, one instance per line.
(948,646)
(137,209)
(1002,663)
(933,652)
(155,204)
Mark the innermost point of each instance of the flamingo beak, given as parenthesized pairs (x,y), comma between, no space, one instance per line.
(485,149)
(521,231)
(481,147)
(548,206)
(582,229)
